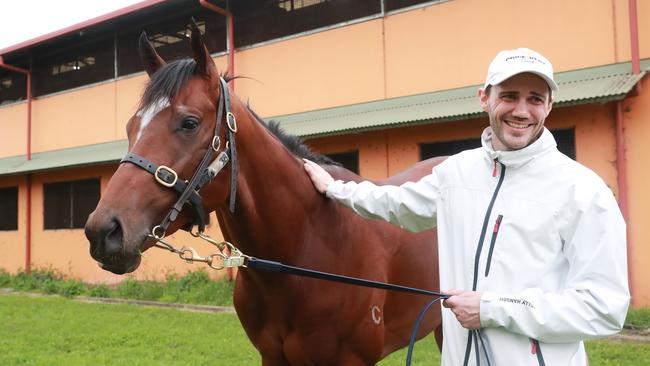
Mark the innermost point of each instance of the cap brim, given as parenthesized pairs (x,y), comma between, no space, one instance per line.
(501,78)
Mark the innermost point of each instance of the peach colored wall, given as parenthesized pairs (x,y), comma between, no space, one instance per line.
(636,118)
(12,243)
(67,250)
(13,129)
(341,66)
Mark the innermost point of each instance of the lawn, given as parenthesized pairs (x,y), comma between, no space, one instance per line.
(60,331)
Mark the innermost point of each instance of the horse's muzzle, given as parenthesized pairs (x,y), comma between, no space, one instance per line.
(107,245)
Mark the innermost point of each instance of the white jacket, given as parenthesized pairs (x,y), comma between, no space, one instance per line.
(539,234)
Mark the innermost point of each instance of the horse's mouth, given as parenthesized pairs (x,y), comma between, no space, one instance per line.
(120,265)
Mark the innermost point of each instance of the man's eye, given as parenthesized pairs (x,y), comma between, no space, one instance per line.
(189,124)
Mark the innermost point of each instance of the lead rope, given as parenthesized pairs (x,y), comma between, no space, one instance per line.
(222,260)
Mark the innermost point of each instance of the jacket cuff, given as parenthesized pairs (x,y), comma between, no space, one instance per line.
(489,310)
(334,188)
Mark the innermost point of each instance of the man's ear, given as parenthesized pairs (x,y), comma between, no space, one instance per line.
(550,104)
(483,98)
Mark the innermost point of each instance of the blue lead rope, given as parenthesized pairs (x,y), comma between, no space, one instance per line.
(272,266)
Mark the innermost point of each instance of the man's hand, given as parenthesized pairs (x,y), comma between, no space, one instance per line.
(466,305)
(318,175)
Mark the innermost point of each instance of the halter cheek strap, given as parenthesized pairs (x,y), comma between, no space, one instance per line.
(208,169)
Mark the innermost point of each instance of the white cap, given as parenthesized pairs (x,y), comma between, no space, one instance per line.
(509,63)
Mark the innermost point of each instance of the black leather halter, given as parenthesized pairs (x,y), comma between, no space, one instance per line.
(208,169)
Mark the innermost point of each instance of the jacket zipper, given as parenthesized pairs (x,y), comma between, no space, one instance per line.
(481,240)
(495,232)
(537,350)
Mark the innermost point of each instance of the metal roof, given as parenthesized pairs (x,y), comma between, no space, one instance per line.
(79,26)
(591,85)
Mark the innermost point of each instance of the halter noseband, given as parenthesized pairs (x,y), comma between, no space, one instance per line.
(204,173)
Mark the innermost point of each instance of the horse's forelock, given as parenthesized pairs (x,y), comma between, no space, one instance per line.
(167,82)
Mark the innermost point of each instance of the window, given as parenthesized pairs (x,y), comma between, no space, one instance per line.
(398,4)
(8,208)
(68,204)
(565,139)
(262,20)
(170,37)
(447,148)
(73,66)
(13,86)
(349,160)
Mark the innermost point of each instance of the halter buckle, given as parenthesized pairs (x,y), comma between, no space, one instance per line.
(232,122)
(166,176)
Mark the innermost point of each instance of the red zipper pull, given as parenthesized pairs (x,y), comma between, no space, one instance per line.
(494,172)
(534,349)
(497,224)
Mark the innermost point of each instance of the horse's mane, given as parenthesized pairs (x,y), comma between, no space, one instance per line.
(167,82)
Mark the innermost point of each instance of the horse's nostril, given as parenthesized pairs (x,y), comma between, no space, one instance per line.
(112,238)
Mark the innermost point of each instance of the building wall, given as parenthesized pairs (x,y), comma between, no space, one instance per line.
(437,47)
(636,121)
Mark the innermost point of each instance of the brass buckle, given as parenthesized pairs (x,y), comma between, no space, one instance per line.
(231,121)
(165,179)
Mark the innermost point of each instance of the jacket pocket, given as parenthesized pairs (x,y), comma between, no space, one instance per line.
(495,232)
(537,350)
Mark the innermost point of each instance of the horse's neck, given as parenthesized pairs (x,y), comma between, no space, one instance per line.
(274,195)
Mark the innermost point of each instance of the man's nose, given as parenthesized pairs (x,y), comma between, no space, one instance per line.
(521,109)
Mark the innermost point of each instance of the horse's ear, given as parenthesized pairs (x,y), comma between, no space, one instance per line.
(150,59)
(205,64)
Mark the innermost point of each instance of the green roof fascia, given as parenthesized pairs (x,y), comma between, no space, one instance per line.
(109,152)
(591,85)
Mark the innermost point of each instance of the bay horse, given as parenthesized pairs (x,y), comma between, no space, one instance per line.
(278,215)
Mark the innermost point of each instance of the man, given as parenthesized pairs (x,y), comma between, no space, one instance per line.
(531,242)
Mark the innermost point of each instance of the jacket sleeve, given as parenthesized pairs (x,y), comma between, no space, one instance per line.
(411,206)
(595,299)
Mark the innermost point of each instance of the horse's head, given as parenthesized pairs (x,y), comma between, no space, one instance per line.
(173,133)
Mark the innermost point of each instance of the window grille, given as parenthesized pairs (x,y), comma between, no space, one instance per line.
(72,67)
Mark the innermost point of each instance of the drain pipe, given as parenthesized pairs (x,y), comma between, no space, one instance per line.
(621,169)
(230,45)
(28,210)
(230,48)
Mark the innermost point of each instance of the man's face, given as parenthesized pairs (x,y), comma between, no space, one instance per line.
(517,109)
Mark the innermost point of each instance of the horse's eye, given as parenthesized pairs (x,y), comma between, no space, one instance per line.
(189,124)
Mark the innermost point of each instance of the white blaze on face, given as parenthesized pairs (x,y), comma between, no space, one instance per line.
(148,113)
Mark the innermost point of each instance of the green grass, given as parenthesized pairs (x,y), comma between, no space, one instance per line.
(193,288)
(638,319)
(59,331)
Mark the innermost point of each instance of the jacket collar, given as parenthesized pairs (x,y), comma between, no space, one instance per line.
(513,159)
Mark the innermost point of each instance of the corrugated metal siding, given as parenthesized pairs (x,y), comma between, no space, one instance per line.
(65,158)
(598,84)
